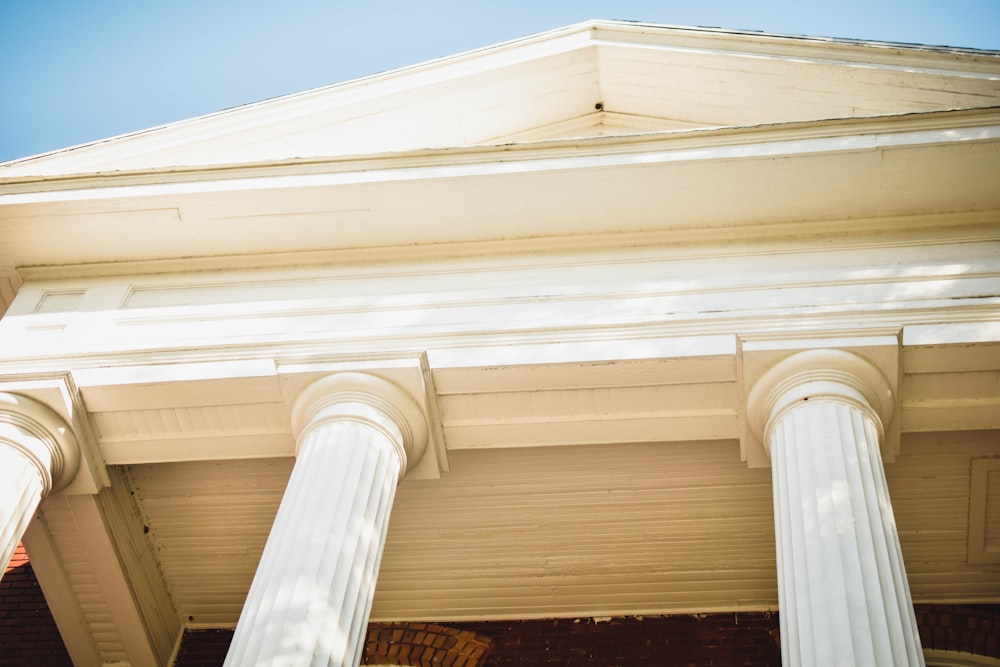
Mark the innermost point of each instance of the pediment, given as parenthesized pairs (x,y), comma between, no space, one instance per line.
(594,79)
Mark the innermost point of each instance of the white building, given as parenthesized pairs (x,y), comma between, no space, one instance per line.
(588,291)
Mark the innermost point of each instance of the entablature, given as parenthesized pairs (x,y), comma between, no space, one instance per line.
(640,344)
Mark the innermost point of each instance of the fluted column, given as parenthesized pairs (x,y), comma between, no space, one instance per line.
(310,599)
(842,590)
(38,454)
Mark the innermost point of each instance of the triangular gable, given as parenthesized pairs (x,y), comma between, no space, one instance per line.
(593,79)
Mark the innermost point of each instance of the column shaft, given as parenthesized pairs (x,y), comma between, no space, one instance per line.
(21,490)
(844,598)
(311,596)
(39,454)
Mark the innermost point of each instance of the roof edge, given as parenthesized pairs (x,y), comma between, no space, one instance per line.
(593,26)
(638,142)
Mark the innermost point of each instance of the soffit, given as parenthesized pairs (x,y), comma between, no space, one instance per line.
(710,85)
(603,530)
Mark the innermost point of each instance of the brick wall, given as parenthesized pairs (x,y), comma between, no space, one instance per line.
(415,644)
(203,648)
(956,627)
(28,634)
(29,637)
(713,640)
(701,639)
(705,640)
(423,645)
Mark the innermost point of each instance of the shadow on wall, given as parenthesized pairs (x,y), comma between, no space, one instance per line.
(28,634)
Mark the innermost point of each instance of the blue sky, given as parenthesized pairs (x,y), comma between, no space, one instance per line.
(73,71)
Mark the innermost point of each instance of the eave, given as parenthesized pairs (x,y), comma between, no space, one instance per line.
(706,179)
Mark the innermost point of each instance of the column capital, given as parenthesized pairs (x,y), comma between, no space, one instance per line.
(825,374)
(42,436)
(367,398)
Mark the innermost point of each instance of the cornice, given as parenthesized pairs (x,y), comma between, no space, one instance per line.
(648,187)
(578,249)
(969,323)
(571,343)
(687,144)
(810,47)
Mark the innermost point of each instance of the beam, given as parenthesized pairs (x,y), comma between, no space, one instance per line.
(105,585)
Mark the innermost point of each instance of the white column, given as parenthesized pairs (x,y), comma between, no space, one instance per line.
(310,599)
(38,454)
(842,590)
